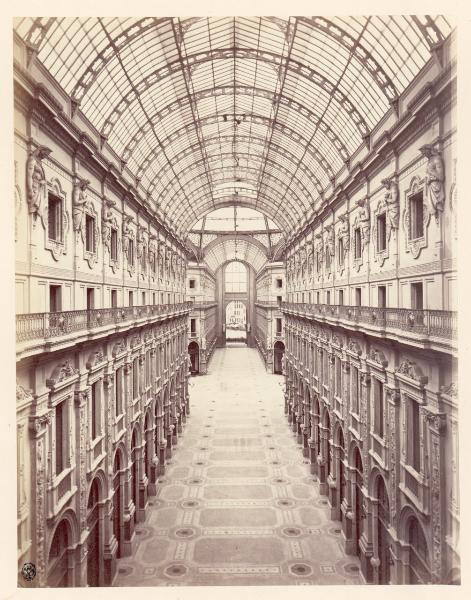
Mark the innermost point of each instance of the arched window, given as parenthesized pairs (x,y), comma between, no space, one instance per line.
(236,277)
(418,556)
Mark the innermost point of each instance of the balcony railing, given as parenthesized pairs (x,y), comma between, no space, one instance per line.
(432,323)
(207,304)
(268,303)
(37,326)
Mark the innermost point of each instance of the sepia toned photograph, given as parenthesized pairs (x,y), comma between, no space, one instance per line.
(236,300)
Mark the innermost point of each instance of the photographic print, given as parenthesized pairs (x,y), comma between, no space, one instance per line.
(235,273)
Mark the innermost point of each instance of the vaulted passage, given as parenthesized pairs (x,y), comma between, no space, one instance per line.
(237,504)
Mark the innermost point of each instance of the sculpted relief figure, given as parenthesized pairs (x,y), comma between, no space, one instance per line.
(434,179)
(329,244)
(364,218)
(36,187)
(391,197)
(107,221)
(80,201)
(344,231)
(127,220)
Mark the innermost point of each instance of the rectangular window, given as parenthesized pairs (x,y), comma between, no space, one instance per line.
(114,298)
(131,252)
(381,232)
(153,297)
(114,245)
(416,216)
(413,434)
(327,297)
(327,260)
(54,218)
(341,252)
(318,262)
(279,283)
(318,298)
(358,296)
(338,377)
(118,391)
(378,407)
(417,295)
(90,298)
(135,378)
(278,299)
(192,284)
(278,326)
(55,298)
(131,299)
(381,296)
(60,427)
(148,369)
(143,298)
(192,325)
(341,297)
(89,234)
(325,368)
(357,242)
(95,411)
(355,389)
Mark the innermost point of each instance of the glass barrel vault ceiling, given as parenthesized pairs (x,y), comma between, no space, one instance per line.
(212,112)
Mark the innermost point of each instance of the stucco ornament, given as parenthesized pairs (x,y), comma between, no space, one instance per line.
(434,179)
(36,186)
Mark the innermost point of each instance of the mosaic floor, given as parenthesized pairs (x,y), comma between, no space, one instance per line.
(237,505)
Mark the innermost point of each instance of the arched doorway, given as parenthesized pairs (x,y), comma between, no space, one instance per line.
(58,561)
(194,353)
(278,353)
(358,500)
(134,483)
(94,552)
(341,480)
(236,321)
(382,525)
(419,570)
(117,502)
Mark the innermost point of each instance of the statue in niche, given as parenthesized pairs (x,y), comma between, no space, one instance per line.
(391,197)
(141,241)
(344,231)
(127,220)
(107,221)
(80,201)
(364,219)
(329,244)
(36,186)
(434,179)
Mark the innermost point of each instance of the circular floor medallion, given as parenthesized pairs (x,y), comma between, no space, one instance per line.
(291,531)
(185,532)
(352,568)
(285,502)
(190,503)
(176,570)
(300,569)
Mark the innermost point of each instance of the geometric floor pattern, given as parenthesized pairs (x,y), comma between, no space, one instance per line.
(237,504)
